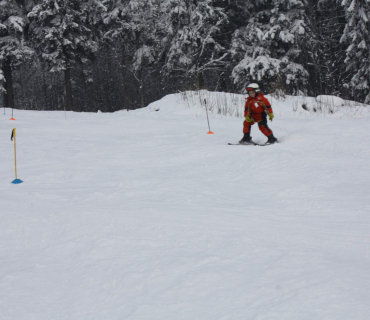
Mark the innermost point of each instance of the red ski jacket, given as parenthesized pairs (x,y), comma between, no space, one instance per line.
(255,107)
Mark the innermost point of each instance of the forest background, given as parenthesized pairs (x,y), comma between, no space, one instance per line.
(109,55)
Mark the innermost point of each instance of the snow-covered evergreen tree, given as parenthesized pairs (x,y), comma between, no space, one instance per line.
(124,17)
(129,27)
(268,49)
(327,71)
(174,36)
(356,36)
(194,29)
(13,48)
(2,80)
(64,34)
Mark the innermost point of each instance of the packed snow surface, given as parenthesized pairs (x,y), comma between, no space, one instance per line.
(142,215)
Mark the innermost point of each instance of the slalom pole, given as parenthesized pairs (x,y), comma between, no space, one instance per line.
(209,132)
(12,115)
(16,181)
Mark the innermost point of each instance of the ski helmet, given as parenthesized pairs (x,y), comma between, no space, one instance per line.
(253,87)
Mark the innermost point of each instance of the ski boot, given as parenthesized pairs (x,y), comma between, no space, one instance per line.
(271,139)
(247,139)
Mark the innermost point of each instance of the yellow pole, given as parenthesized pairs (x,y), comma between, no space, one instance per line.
(15,153)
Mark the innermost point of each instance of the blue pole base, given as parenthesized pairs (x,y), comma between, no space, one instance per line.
(17,181)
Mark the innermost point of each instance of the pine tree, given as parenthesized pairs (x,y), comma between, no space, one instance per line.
(64,34)
(193,28)
(13,48)
(268,49)
(327,70)
(129,28)
(356,36)
(2,81)
(166,39)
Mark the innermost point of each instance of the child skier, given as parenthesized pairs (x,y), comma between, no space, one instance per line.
(257,108)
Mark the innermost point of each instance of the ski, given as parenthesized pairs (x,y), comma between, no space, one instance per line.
(249,144)
(252,144)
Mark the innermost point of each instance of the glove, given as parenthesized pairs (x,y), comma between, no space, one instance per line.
(249,119)
(271,116)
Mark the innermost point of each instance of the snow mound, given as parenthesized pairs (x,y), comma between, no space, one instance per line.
(331,101)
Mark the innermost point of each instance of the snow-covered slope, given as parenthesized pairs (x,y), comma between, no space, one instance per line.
(142,215)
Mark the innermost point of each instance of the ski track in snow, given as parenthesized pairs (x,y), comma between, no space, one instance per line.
(142,215)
